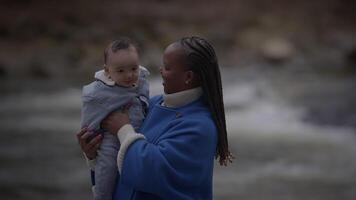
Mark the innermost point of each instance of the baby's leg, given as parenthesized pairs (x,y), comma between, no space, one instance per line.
(106,168)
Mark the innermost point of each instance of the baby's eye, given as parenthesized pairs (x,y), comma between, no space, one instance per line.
(120,71)
(134,68)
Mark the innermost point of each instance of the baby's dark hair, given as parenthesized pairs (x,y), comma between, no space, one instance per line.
(118,44)
(200,57)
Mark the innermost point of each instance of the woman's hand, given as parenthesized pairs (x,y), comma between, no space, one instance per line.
(115,120)
(89,147)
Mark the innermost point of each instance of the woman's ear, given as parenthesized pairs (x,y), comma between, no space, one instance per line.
(192,79)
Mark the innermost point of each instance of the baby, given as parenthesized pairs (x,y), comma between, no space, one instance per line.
(121,83)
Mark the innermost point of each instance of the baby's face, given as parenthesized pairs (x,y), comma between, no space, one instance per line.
(123,67)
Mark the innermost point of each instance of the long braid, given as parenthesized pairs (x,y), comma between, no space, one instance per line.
(201,59)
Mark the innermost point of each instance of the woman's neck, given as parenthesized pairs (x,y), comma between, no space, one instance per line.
(182,98)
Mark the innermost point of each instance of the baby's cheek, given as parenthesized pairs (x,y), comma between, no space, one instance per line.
(136,76)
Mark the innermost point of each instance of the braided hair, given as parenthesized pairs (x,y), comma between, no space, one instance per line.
(200,57)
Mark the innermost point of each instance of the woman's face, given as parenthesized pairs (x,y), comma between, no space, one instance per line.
(173,72)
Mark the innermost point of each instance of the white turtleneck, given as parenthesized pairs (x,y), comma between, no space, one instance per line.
(182,98)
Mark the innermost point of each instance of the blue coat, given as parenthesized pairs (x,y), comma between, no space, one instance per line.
(176,161)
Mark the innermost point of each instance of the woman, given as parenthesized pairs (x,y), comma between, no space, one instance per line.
(173,155)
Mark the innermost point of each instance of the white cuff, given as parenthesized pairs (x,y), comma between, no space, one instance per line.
(93,191)
(91,163)
(127,136)
(124,131)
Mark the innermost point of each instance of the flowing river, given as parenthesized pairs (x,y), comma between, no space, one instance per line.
(279,154)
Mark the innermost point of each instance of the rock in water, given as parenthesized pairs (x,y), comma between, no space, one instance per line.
(277,50)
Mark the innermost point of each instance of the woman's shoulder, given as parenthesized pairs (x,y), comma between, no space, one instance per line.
(197,109)
(199,124)
(200,118)
(197,113)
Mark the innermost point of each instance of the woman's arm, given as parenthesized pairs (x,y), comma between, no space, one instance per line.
(118,124)
(182,158)
(179,164)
